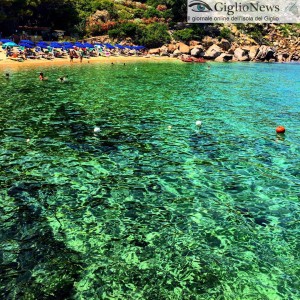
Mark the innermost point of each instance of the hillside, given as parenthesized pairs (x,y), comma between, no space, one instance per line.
(151,23)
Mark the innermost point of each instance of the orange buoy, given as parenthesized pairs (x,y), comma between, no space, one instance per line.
(280,129)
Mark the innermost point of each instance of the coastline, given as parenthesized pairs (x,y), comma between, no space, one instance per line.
(10,64)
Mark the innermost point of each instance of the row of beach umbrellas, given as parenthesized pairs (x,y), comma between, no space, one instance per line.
(66,45)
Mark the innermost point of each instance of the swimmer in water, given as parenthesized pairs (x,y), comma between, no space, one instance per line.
(42,77)
(7,76)
(63,79)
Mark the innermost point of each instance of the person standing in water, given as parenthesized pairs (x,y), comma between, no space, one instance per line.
(7,76)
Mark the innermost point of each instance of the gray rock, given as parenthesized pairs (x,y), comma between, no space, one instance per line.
(252,52)
(213,51)
(224,44)
(224,57)
(197,51)
(265,53)
(240,54)
(176,53)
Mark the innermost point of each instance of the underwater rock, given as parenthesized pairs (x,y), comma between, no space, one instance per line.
(262,221)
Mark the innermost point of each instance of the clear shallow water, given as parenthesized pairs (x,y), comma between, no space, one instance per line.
(142,210)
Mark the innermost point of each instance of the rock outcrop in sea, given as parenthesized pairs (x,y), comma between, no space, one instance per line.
(274,47)
(225,51)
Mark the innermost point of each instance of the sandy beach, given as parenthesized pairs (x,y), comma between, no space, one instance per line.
(6,63)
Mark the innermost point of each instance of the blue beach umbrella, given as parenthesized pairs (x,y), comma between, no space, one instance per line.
(88,45)
(26,45)
(9,44)
(120,46)
(79,45)
(5,40)
(139,47)
(67,47)
(109,46)
(27,42)
(56,45)
(42,44)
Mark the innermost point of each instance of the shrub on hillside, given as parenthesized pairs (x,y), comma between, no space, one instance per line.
(151,12)
(107,5)
(128,29)
(184,35)
(225,33)
(155,35)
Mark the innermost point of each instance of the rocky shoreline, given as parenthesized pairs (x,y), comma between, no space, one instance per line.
(225,51)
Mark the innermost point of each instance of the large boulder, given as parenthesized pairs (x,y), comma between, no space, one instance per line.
(224,57)
(213,51)
(194,43)
(208,41)
(171,48)
(232,48)
(265,53)
(164,51)
(252,52)
(279,58)
(197,51)
(176,53)
(224,44)
(295,57)
(154,51)
(100,16)
(183,48)
(240,54)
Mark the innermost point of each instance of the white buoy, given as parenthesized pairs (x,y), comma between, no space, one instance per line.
(28,140)
(97,129)
(198,123)
(169,127)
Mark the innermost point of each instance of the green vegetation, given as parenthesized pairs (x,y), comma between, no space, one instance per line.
(184,35)
(225,33)
(152,35)
(127,29)
(155,35)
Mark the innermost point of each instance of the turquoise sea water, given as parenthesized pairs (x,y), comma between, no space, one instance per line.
(151,207)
